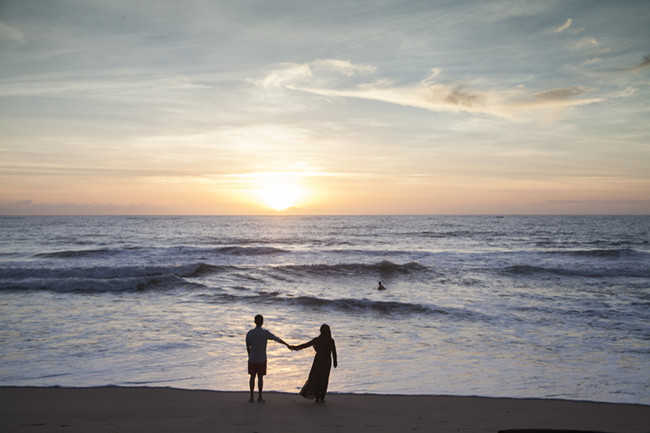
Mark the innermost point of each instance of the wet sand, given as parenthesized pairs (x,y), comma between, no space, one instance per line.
(116,409)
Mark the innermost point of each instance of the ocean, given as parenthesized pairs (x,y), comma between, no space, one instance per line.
(512,306)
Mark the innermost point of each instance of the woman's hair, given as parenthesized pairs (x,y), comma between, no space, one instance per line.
(325,331)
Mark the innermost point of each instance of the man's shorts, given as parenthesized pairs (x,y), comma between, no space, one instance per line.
(255,367)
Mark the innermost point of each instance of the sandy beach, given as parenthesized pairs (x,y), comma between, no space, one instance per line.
(113,409)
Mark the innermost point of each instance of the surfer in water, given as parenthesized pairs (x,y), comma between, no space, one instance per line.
(381,286)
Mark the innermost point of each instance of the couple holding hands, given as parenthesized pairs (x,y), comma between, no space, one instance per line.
(316,385)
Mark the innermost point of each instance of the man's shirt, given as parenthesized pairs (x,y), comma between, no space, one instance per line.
(256,340)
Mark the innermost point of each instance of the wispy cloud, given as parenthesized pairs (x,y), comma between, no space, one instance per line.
(431,93)
(636,68)
(287,73)
(555,99)
(644,64)
(504,9)
(562,94)
(29,207)
(567,27)
(323,69)
(592,61)
(625,93)
(564,26)
(585,43)
(9,33)
(102,83)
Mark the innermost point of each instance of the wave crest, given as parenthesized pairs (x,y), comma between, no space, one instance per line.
(350,305)
(73,254)
(603,253)
(528,270)
(384,269)
(250,251)
(103,278)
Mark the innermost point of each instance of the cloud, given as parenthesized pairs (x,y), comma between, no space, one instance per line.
(431,93)
(603,206)
(625,93)
(585,43)
(459,96)
(288,73)
(592,61)
(321,68)
(644,64)
(561,94)
(438,97)
(636,68)
(564,26)
(29,207)
(567,27)
(11,33)
(117,82)
(344,67)
(500,10)
(554,99)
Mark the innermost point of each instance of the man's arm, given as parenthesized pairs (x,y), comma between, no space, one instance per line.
(270,336)
(279,340)
(336,363)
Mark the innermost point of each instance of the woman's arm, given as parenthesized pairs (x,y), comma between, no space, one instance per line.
(336,363)
(305,345)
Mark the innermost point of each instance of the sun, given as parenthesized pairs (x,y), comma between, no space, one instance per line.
(281,195)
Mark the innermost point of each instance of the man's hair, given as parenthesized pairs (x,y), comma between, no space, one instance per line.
(259,320)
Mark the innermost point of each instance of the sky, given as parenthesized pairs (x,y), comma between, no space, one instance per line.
(314,107)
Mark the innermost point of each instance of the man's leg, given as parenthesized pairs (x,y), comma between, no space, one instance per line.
(260,385)
(252,387)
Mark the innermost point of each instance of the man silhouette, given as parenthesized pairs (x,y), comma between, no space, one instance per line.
(256,346)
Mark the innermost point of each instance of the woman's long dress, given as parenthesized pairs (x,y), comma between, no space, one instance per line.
(316,385)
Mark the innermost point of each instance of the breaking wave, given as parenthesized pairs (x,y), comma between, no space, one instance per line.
(139,277)
(169,251)
(602,253)
(105,278)
(72,254)
(384,268)
(596,272)
(250,251)
(348,305)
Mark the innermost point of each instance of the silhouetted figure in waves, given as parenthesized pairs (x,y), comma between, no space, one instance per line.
(381,286)
(316,385)
(256,346)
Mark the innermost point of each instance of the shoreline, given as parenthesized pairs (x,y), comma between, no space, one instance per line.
(131,409)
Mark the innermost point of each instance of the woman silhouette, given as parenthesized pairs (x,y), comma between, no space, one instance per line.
(316,385)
